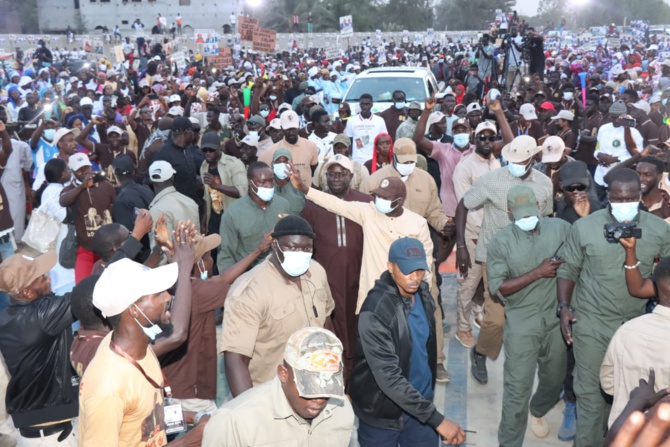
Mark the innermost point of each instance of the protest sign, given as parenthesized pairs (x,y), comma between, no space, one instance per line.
(264,40)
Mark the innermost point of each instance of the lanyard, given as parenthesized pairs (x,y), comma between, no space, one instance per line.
(117,349)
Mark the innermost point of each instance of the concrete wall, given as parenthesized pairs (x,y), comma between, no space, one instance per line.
(58,14)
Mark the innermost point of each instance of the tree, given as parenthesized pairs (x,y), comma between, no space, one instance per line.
(459,15)
(413,15)
(325,14)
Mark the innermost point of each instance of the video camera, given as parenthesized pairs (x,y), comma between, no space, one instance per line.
(617,230)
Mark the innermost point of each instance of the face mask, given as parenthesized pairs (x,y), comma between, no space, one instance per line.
(400,105)
(625,211)
(272,98)
(152,331)
(384,206)
(203,270)
(49,134)
(265,113)
(664,101)
(568,96)
(253,133)
(265,194)
(280,170)
(527,223)
(295,263)
(517,170)
(405,169)
(462,139)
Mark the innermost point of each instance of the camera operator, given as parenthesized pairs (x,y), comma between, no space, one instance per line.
(512,47)
(594,271)
(485,61)
(534,42)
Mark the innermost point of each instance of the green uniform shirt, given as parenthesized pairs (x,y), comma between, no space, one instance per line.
(296,199)
(596,267)
(243,226)
(513,253)
(490,192)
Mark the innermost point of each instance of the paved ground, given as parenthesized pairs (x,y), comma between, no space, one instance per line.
(475,407)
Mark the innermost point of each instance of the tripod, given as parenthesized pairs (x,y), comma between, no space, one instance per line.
(509,82)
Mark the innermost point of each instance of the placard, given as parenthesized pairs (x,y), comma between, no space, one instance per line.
(179,58)
(346,26)
(118,54)
(333,53)
(246,27)
(264,40)
(226,56)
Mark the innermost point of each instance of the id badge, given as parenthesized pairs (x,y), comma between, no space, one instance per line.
(174,417)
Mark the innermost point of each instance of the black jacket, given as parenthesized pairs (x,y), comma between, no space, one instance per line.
(187,162)
(380,388)
(35,340)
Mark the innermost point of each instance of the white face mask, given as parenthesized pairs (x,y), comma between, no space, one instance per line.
(152,331)
(49,134)
(253,133)
(265,113)
(384,206)
(568,96)
(295,263)
(272,98)
(265,194)
(280,170)
(527,223)
(203,270)
(405,169)
(400,105)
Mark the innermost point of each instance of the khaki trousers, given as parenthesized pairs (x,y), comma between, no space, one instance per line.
(467,288)
(490,340)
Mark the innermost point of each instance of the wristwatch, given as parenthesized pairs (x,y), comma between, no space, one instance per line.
(561,306)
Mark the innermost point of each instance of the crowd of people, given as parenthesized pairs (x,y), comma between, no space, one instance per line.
(167,201)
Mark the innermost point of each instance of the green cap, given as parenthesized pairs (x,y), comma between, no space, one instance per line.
(282,153)
(521,201)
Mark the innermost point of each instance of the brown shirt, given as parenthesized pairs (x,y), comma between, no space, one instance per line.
(92,209)
(83,349)
(393,118)
(304,154)
(263,309)
(535,129)
(191,368)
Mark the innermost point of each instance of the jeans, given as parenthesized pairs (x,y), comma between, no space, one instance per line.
(6,250)
(413,434)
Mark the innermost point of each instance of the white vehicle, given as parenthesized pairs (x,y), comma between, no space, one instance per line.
(418,83)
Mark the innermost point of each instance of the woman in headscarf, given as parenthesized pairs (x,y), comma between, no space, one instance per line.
(51,109)
(14,103)
(382,153)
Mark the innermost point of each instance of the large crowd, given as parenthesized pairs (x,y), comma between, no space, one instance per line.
(143,204)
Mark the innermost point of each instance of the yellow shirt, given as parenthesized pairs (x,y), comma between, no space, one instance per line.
(379,232)
(118,407)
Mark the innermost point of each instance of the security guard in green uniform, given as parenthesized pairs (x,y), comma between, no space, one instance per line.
(594,270)
(522,261)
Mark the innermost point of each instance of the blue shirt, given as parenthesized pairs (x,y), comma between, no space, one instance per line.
(419,372)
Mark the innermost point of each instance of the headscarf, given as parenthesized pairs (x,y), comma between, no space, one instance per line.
(373,166)
(72,118)
(46,90)
(9,93)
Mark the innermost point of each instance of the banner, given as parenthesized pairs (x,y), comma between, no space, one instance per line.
(264,40)
(333,53)
(209,41)
(346,26)
(246,27)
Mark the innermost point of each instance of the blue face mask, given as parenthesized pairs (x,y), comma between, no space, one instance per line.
(384,206)
(517,170)
(400,105)
(49,134)
(152,331)
(462,139)
(626,211)
(264,113)
(527,223)
(272,98)
(280,170)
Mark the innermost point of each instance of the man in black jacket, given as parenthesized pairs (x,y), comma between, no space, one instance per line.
(393,381)
(35,339)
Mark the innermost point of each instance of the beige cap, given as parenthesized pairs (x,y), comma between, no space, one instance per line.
(405,150)
(520,149)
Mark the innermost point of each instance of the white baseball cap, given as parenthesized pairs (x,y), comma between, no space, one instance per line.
(485,125)
(565,115)
(177,111)
(124,282)
(174,98)
(115,129)
(552,149)
(290,120)
(85,101)
(78,160)
(160,171)
(60,133)
(528,111)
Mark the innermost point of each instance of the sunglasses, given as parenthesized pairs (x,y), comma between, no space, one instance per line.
(208,149)
(573,188)
(490,138)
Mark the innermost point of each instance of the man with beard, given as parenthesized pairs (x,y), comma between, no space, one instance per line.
(106,152)
(305,154)
(588,136)
(406,128)
(121,397)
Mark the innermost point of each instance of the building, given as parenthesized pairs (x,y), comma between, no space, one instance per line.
(56,15)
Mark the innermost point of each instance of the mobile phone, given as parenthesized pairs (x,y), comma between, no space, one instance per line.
(153,96)
(627,122)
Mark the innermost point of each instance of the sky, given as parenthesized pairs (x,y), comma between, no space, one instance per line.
(527,7)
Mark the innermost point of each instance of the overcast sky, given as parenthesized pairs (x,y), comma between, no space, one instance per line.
(527,7)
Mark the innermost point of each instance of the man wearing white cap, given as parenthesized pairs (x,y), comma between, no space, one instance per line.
(168,202)
(490,192)
(564,120)
(527,123)
(305,154)
(274,130)
(65,144)
(304,404)
(91,199)
(124,398)
(106,152)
